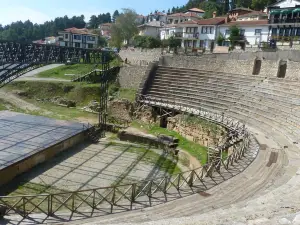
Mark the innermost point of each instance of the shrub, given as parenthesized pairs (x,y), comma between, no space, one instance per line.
(146,42)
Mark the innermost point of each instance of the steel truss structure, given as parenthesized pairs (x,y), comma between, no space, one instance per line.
(104,78)
(19,58)
(106,200)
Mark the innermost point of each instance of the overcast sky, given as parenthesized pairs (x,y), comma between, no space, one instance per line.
(38,11)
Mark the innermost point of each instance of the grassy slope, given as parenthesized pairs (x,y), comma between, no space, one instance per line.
(76,69)
(194,149)
(81,93)
(59,72)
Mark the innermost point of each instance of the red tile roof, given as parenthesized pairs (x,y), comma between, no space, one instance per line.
(253,13)
(248,22)
(189,14)
(211,21)
(106,24)
(196,10)
(75,30)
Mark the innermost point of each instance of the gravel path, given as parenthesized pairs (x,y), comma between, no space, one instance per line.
(41,69)
(16,101)
(41,79)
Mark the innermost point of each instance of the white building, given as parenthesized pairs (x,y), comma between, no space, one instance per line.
(150,29)
(198,12)
(173,26)
(284,21)
(253,26)
(79,38)
(158,16)
(201,33)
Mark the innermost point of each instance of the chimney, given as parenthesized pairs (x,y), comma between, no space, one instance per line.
(214,14)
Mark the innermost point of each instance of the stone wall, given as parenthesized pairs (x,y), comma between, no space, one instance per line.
(130,76)
(140,57)
(210,63)
(293,70)
(204,133)
(235,66)
(120,111)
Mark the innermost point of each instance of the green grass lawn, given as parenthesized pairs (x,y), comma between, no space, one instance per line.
(62,113)
(59,72)
(76,69)
(196,150)
(126,93)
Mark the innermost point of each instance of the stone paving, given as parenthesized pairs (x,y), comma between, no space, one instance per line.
(94,166)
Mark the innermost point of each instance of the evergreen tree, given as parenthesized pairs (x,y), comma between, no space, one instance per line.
(115,16)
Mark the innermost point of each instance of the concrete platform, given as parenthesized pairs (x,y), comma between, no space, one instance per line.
(24,137)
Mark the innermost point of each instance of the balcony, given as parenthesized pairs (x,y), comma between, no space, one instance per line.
(287,20)
(178,34)
(191,35)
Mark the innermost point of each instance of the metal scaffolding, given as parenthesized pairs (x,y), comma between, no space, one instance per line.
(103,93)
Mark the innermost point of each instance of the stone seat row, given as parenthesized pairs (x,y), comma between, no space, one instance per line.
(241,81)
(283,83)
(211,104)
(243,87)
(233,96)
(178,74)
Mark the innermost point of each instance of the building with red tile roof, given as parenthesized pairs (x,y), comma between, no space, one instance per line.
(79,38)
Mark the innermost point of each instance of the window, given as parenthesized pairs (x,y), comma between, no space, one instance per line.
(298,32)
(77,45)
(287,32)
(242,32)
(227,32)
(176,21)
(274,31)
(66,36)
(77,37)
(90,38)
(90,46)
(281,31)
(257,31)
(207,30)
(191,30)
(66,44)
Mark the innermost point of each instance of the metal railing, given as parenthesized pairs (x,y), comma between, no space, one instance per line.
(106,200)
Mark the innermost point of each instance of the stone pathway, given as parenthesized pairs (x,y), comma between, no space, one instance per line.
(94,166)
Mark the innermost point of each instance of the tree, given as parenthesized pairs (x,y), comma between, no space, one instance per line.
(116,36)
(125,27)
(234,35)
(115,16)
(261,4)
(146,42)
(174,42)
(93,23)
(220,39)
(102,42)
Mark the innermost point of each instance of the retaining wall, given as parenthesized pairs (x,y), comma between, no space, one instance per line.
(140,57)
(131,76)
(235,63)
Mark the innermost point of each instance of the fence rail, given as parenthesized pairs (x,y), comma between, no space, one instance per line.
(145,193)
